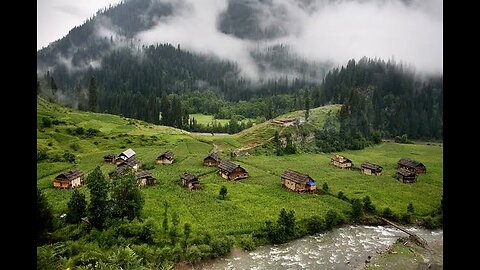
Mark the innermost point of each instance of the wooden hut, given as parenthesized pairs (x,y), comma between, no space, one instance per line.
(341,162)
(231,171)
(144,178)
(190,181)
(411,165)
(371,169)
(129,165)
(165,158)
(70,179)
(124,156)
(298,181)
(211,160)
(406,176)
(121,169)
(133,163)
(110,158)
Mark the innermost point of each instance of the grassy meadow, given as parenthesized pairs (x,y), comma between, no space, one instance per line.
(250,202)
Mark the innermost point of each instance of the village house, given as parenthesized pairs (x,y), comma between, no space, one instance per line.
(129,165)
(411,165)
(341,162)
(165,158)
(190,181)
(70,179)
(124,156)
(211,160)
(231,171)
(298,181)
(406,176)
(145,178)
(371,169)
(110,158)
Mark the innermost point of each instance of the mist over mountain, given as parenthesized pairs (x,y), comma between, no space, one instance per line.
(239,50)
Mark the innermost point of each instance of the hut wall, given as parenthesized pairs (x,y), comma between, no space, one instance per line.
(289,184)
(238,173)
(164,161)
(224,174)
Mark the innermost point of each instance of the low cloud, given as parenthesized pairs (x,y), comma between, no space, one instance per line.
(318,30)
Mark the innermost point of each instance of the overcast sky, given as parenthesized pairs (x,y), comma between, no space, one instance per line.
(56,17)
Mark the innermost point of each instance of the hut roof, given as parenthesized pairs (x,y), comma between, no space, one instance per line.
(168,155)
(227,166)
(130,162)
(371,166)
(409,163)
(70,175)
(340,158)
(213,155)
(297,177)
(142,174)
(189,176)
(128,153)
(405,172)
(120,169)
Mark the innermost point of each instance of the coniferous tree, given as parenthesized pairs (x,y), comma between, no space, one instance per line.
(92,95)
(77,207)
(44,220)
(223,192)
(126,197)
(98,210)
(53,86)
(307,106)
(39,89)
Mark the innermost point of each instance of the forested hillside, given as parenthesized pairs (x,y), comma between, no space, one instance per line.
(103,66)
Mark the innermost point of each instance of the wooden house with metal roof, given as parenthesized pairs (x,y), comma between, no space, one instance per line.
(298,181)
(166,158)
(341,162)
(231,171)
(70,179)
(190,181)
(406,176)
(211,160)
(411,165)
(371,169)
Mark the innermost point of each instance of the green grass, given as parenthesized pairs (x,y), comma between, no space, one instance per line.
(250,202)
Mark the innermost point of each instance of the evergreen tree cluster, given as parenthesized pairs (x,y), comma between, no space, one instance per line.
(385,96)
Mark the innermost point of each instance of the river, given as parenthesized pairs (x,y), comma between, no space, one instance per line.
(342,248)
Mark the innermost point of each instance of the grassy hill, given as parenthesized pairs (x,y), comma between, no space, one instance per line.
(250,201)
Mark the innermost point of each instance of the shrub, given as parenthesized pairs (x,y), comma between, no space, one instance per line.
(69,157)
(368,205)
(315,224)
(325,187)
(357,209)
(388,214)
(74,146)
(331,219)
(247,243)
(342,196)
(41,154)
(46,122)
(79,131)
(91,132)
